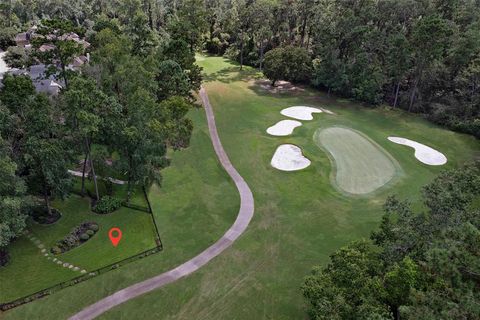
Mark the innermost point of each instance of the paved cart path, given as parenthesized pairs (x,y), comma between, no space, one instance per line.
(245,214)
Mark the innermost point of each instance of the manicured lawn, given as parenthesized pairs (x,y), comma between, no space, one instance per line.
(300,218)
(358,165)
(30,271)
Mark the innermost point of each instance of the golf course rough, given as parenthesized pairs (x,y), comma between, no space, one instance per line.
(423,153)
(360,166)
(289,157)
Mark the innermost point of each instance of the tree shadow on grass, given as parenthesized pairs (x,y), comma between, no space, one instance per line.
(232,74)
(263,87)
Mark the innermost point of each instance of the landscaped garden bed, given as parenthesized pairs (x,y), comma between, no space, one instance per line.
(76,237)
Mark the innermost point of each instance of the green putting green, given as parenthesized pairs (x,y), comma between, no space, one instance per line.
(361,166)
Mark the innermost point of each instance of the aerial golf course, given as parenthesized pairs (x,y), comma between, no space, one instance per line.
(300,217)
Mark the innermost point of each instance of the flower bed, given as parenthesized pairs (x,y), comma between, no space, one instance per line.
(76,237)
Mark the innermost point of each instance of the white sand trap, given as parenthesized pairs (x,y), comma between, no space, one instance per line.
(423,153)
(300,112)
(283,128)
(289,157)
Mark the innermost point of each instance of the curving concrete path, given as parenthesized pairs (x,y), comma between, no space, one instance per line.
(245,214)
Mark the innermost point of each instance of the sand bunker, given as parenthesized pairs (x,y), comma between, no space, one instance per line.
(283,128)
(300,112)
(289,157)
(423,153)
(360,165)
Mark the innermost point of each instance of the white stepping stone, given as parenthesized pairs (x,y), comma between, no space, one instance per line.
(283,128)
(76,268)
(83,271)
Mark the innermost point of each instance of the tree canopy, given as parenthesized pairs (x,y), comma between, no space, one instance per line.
(418,265)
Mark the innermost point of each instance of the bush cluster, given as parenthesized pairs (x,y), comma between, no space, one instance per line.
(107,204)
(76,237)
(41,216)
(4,257)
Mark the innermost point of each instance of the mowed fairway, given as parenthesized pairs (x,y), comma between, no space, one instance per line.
(360,165)
(300,218)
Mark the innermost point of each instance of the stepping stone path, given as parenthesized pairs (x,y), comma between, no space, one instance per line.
(38,243)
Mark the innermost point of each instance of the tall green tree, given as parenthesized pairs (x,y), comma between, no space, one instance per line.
(92,117)
(47,152)
(13,202)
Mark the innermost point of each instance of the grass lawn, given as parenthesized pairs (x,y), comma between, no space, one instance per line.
(30,271)
(300,218)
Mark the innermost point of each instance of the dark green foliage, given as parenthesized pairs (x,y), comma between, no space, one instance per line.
(7,37)
(107,204)
(287,63)
(4,257)
(76,237)
(41,216)
(419,266)
(13,202)
(84,237)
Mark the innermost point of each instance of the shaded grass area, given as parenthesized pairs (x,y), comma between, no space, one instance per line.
(30,271)
(120,191)
(300,218)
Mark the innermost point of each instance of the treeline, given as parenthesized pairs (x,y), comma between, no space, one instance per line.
(421,56)
(418,265)
(115,116)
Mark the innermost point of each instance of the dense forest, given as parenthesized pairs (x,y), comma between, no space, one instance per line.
(110,98)
(421,56)
(418,265)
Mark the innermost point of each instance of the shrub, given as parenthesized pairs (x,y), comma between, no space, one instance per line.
(56,250)
(77,236)
(107,204)
(4,257)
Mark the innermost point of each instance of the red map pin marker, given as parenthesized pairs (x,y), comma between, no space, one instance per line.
(115,238)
